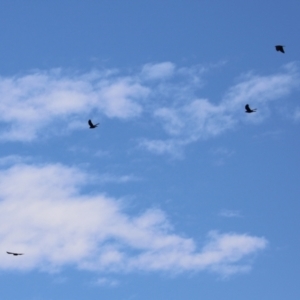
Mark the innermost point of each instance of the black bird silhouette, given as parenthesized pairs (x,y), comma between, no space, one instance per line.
(92,126)
(279,48)
(15,254)
(248,109)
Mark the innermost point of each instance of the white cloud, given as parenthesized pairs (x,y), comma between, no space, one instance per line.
(187,124)
(104,281)
(170,146)
(116,99)
(49,219)
(111,178)
(271,134)
(34,102)
(200,118)
(158,71)
(296,115)
(221,154)
(257,89)
(227,213)
(30,102)
(221,254)
(13,159)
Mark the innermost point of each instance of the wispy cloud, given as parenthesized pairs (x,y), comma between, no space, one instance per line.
(227,213)
(258,89)
(273,134)
(108,282)
(158,71)
(49,219)
(13,159)
(168,94)
(221,154)
(170,146)
(201,118)
(31,102)
(296,115)
(111,178)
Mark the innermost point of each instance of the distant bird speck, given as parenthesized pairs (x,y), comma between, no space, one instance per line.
(248,109)
(279,48)
(15,254)
(92,126)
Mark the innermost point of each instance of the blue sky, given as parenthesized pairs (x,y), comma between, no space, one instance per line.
(178,194)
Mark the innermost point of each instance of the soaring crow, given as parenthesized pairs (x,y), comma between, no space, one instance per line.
(92,126)
(15,254)
(279,48)
(248,109)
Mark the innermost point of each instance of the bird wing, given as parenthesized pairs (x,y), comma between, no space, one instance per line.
(247,107)
(90,123)
(9,252)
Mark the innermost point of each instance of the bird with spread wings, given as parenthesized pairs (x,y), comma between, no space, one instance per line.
(279,48)
(14,253)
(248,109)
(92,126)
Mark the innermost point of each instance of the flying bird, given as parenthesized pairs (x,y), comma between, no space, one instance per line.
(15,254)
(92,126)
(279,48)
(248,109)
